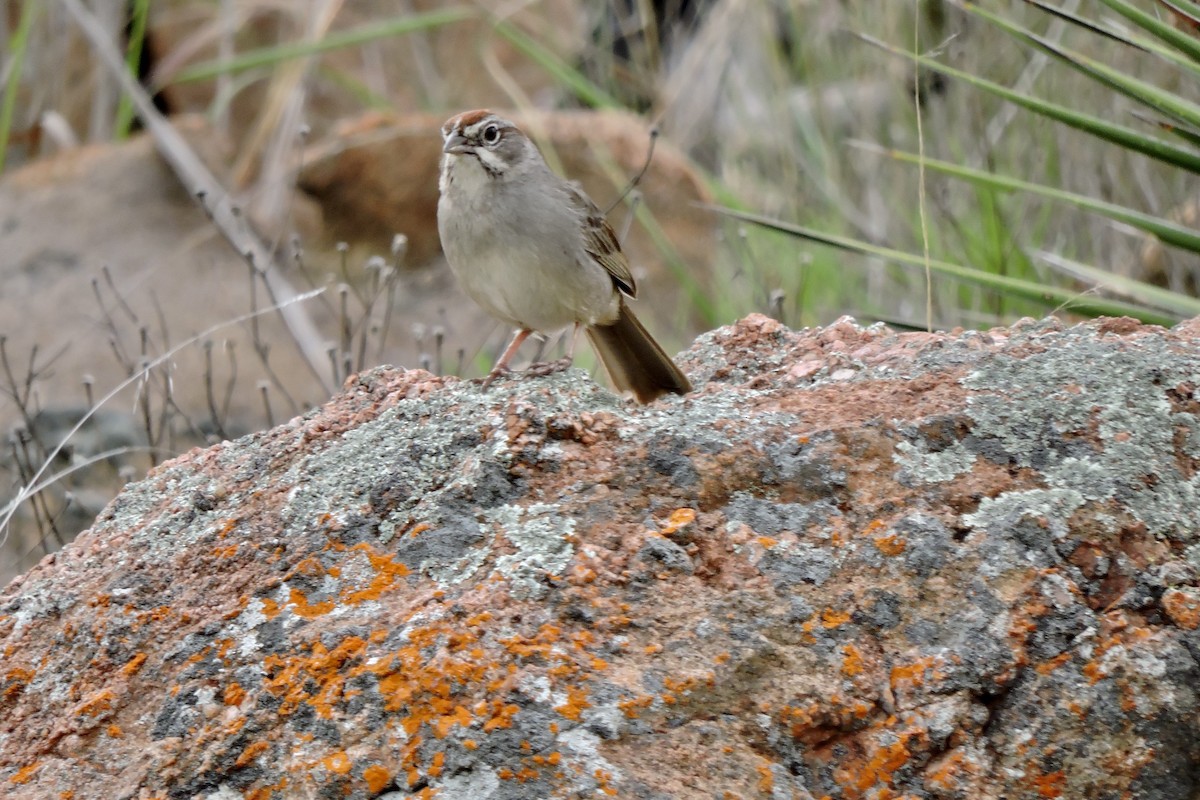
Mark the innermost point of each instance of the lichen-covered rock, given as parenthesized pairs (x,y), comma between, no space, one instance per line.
(853,564)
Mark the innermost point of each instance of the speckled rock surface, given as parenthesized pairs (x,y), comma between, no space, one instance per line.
(853,564)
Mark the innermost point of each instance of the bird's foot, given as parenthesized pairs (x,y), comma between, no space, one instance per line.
(497,371)
(544,368)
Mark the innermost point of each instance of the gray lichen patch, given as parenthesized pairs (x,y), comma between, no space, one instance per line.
(542,537)
(920,465)
(1081,413)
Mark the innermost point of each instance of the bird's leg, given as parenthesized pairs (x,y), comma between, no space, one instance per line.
(550,367)
(502,363)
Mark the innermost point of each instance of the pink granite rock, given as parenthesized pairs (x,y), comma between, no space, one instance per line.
(852,564)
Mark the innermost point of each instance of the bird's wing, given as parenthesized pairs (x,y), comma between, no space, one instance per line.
(601,243)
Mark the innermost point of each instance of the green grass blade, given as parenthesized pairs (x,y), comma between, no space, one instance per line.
(1176,38)
(556,68)
(1081,22)
(1148,94)
(1050,296)
(1169,232)
(1172,55)
(268,56)
(133,54)
(1118,285)
(17,44)
(1167,152)
(1186,9)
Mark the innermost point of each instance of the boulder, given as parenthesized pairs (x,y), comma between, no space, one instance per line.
(852,564)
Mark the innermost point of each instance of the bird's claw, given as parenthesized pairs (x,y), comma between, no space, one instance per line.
(545,368)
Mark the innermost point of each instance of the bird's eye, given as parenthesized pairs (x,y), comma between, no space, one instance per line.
(491,134)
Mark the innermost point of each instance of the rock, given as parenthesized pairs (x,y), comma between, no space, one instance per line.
(966,569)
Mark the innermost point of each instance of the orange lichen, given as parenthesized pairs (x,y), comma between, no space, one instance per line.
(767,542)
(852,664)
(1046,667)
(831,618)
(653,649)
(1182,607)
(229,551)
(25,774)
(948,772)
(388,571)
(634,706)
(575,705)
(16,679)
(95,705)
(427,679)
(269,792)
(502,716)
(602,781)
(581,575)
(890,545)
(338,763)
(301,607)
(250,753)
(134,664)
(234,695)
(270,608)
(884,761)
(916,673)
(377,778)
(766,779)
(798,715)
(1051,784)
(115,731)
(680,518)
(288,676)
(309,567)
(459,716)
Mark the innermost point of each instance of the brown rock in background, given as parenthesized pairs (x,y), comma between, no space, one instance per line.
(852,564)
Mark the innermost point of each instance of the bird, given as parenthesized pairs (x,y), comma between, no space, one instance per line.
(534,251)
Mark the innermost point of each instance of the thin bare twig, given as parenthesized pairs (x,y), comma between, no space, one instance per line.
(203,186)
(637,179)
(26,490)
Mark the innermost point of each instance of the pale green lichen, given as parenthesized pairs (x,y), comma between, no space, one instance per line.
(542,537)
(922,466)
(1092,416)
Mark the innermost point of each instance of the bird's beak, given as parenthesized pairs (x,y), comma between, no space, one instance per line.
(457,144)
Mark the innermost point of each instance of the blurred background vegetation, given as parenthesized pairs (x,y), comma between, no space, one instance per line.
(784,104)
(924,163)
